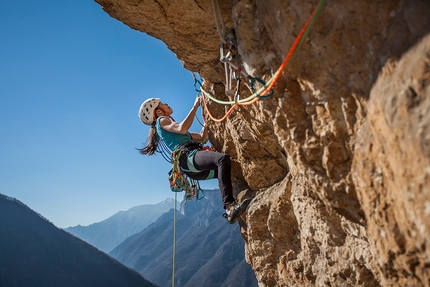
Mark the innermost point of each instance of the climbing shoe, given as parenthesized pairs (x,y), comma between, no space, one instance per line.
(236,210)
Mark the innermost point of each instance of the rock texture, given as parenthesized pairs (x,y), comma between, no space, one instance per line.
(338,160)
(391,168)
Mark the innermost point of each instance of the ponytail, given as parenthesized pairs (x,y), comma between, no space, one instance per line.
(151,142)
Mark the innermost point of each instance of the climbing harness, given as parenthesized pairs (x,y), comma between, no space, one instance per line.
(178,178)
(266,90)
(179,181)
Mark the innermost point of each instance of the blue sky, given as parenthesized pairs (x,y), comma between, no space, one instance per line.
(71,82)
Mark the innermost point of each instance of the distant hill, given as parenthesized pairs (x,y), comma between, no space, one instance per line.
(107,234)
(35,253)
(210,252)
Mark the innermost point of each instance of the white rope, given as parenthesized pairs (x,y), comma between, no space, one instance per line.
(217,12)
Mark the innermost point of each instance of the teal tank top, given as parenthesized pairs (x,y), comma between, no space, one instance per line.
(172,140)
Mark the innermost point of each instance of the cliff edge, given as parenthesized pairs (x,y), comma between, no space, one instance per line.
(338,159)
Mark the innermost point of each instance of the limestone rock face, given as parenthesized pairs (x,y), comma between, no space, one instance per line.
(391,168)
(338,159)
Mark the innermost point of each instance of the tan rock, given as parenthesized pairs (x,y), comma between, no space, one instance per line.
(392,168)
(338,158)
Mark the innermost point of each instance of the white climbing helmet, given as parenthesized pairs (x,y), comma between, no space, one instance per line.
(146,111)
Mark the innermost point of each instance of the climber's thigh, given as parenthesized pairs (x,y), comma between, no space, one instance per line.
(208,160)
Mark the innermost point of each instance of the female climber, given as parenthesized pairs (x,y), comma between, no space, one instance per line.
(196,163)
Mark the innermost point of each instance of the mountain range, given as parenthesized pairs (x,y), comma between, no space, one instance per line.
(35,253)
(209,251)
(107,234)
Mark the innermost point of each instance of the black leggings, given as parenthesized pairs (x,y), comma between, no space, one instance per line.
(220,163)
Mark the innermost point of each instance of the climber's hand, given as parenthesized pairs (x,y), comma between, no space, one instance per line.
(197,102)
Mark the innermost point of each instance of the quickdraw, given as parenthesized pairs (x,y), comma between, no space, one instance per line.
(235,71)
(179,181)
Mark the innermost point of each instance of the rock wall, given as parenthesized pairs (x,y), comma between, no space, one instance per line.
(338,160)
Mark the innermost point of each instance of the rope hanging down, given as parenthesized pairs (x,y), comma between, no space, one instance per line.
(264,91)
(174,241)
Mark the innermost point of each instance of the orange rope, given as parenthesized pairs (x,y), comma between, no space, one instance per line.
(290,53)
(274,79)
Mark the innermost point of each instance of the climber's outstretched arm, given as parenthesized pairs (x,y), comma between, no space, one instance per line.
(184,126)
